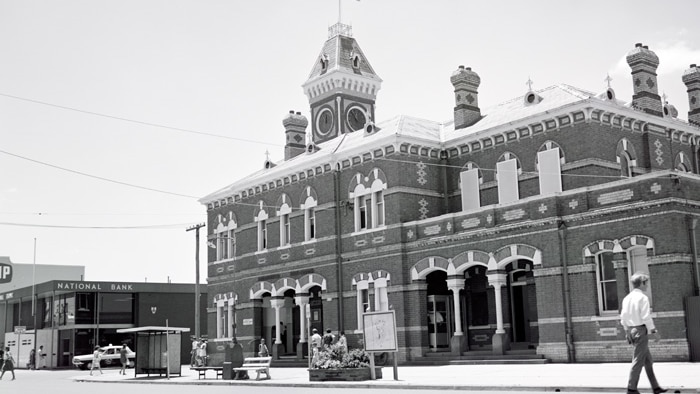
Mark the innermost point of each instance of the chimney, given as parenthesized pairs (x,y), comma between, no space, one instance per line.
(691,79)
(295,132)
(466,83)
(644,63)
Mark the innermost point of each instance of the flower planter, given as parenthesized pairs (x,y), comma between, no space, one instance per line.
(343,374)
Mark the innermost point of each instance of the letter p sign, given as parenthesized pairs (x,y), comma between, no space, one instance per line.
(5,273)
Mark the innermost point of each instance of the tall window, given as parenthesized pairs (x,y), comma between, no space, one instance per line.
(284,230)
(310,229)
(378,209)
(231,244)
(638,263)
(362,222)
(607,283)
(221,246)
(261,217)
(549,161)
(367,195)
(627,157)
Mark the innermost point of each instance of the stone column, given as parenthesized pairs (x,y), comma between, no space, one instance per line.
(500,340)
(455,284)
(277,347)
(302,300)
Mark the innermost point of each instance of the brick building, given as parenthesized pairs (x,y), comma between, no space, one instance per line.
(506,230)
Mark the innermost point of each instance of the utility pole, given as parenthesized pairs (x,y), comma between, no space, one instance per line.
(196,227)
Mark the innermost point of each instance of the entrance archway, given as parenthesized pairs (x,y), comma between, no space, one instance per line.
(440,307)
(522,299)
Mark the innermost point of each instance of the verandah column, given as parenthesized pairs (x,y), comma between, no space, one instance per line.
(277,347)
(498,280)
(302,300)
(455,284)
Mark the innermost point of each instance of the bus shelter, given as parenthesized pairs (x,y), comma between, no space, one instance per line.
(157,349)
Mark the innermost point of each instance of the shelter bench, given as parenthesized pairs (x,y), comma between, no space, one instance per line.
(203,371)
(257,364)
(160,371)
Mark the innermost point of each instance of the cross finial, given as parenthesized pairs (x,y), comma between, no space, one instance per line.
(608,80)
(664,96)
(267,155)
(529,83)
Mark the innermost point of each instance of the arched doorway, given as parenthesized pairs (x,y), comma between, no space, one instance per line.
(316,306)
(440,307)
(523,301)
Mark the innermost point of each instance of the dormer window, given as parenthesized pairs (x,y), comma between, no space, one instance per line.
(356,61)
(324,63)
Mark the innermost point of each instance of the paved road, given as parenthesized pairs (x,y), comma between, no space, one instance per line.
(64,382)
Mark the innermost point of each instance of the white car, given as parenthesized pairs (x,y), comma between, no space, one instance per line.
(110,357)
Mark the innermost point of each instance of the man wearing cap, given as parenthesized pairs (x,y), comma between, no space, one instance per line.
(636,319)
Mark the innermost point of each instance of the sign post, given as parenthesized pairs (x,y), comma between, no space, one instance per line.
(380,336)
(309,350)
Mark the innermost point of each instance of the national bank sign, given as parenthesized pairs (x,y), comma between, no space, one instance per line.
(5,273)
(94,286)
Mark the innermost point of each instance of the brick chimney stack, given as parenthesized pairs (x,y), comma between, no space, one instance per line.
(691,79)
(644,63)
(295,132)
(466,83)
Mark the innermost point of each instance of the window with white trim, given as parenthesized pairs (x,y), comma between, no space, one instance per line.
(283,211)
(371,298)
(309,204)
(638,262)
(361,222)
(231,244)
(626,157)
(607,282)
(261,219)
(369,206)
(378,208)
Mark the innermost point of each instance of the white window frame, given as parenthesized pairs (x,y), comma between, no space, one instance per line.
(637,260)
(231,235)
(261,219)
(371,299)
(600,282)
(309,207)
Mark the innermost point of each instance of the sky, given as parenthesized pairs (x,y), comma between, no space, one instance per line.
(117,116)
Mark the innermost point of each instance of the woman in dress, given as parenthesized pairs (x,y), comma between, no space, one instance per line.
(8,363)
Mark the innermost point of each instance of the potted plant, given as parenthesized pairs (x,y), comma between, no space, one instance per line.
(335,364)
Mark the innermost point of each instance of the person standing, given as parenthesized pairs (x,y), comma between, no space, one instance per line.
(328,338)
(262,349)
(96,358)
(123,358)
(343,342)
(32,359)
(636,319)
(193,356)
(316,342)
(42,357)
(8,363)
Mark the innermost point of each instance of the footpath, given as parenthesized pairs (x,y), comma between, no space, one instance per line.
(605,377)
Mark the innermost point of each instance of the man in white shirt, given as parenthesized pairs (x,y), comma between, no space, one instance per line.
(636,319)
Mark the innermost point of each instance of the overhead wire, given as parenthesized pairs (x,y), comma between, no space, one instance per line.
(137,121)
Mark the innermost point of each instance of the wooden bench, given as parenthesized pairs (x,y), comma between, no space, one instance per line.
(160,371)
(203,371)
(257,364)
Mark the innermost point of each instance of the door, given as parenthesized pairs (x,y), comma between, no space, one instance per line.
(692,311)
(520,311)
(439,322)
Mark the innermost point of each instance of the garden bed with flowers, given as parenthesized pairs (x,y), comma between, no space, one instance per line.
(335,364)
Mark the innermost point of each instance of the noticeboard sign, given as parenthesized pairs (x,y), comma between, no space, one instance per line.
(5,273)
(380,331)
(20,329)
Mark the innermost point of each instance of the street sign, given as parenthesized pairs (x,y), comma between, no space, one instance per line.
(20,329)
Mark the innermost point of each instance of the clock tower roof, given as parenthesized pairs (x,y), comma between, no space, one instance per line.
(342,55)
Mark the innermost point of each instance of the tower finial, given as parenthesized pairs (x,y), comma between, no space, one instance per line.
(608,80)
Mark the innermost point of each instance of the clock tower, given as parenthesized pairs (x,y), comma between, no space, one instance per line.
(342,87)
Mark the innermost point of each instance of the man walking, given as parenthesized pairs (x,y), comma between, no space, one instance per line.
(636,319)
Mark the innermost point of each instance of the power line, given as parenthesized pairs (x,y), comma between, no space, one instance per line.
(145,227)
(137,121)
(98,177)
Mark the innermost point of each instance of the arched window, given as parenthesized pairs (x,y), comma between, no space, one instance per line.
(626,157)
(548,163)
(367,194)
(284,209)
(682,162)
(470,178)
(261,217)
(309,204)
(226,237)
(508,169)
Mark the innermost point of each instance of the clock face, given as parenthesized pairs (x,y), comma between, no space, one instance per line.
(357,118)
(324,121)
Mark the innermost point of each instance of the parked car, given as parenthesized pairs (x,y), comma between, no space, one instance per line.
(110,357)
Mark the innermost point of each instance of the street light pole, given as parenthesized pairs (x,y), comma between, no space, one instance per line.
(196,227)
